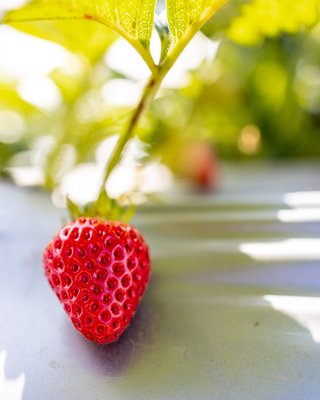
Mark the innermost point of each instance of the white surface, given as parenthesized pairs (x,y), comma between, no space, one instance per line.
(232,311)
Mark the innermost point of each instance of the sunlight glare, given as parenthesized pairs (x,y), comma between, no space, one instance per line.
(290,249)
(302,199)
(303,309)
(299,215)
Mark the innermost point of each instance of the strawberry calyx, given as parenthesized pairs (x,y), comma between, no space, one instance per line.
(105,208)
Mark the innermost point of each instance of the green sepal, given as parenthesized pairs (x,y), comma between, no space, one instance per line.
(74,210)
(128,213)
(105,208)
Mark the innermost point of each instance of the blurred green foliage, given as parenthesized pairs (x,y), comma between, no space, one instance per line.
(248,101)
(272,90)
(270,18)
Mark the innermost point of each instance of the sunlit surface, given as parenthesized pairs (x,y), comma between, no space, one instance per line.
(303,309)
(302,199)
(10,389)
(290,249)
(299,215)
(232,286)
(285,216)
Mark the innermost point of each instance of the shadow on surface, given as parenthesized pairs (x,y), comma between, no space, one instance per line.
(114,359)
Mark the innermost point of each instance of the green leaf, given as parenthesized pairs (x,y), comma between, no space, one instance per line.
(184,15)
(133,19)
(185,19)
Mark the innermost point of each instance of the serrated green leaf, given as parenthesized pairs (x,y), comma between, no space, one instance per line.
(133,19)
(184,14)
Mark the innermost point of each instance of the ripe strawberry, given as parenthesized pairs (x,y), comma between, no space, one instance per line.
(99,271)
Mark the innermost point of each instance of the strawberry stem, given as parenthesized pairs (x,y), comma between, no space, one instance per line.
(171,49)
(148,95)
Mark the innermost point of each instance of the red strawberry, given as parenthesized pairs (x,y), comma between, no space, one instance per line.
(99,271)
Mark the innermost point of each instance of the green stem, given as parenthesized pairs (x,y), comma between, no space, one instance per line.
(158,74)
(148,95)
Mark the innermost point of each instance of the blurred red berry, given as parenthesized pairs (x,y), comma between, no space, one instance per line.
(200,164)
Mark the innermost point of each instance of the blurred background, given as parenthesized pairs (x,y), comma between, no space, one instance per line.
(247,87)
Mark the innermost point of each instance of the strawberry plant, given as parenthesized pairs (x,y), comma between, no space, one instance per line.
(97,266)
